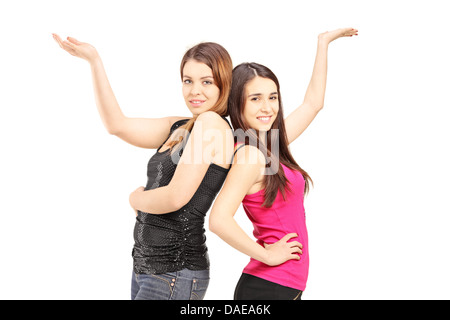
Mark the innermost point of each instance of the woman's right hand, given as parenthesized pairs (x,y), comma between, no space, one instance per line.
(282,250)
(78,49)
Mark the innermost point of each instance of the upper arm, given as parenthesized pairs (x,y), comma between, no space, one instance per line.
(247,168)
(297,122)
(145,132)
(198,154)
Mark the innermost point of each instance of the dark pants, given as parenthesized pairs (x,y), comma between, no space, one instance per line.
(253,288)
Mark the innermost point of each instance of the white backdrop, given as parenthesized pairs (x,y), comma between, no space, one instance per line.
(378,152)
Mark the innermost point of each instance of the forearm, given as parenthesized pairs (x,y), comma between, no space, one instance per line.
(230,232)
(156,201)
(315,93)
(105,99)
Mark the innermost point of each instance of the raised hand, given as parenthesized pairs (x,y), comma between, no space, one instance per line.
(330,36)
(282,250)
(76,48)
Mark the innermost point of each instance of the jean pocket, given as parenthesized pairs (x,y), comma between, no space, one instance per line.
(198,289)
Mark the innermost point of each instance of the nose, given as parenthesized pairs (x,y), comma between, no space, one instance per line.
(196,89)
(265,106)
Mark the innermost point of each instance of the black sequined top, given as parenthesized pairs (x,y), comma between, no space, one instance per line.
(173,241)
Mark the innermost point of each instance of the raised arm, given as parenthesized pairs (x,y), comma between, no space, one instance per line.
(300,118)
(242,176)
(210,141)
(141,132)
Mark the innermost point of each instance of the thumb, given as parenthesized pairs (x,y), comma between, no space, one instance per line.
(288,237)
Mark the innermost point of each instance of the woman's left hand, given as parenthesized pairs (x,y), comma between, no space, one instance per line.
(133,197)
(330,36)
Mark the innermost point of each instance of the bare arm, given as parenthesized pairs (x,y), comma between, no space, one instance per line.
(141,132)
(301,118)
(242,176)
(199,153)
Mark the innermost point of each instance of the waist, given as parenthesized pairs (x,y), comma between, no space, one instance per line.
(292,273)
(169,242)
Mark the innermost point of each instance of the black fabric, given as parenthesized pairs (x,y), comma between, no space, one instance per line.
(250,287)
(174,241)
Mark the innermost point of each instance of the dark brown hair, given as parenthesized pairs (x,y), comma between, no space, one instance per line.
(217,58)
(274,181)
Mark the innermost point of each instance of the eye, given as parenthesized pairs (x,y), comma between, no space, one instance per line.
(187,81)
(273,98)
(207,82)
(254,99)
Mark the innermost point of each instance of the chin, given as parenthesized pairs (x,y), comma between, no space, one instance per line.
(263,128)
(198,111)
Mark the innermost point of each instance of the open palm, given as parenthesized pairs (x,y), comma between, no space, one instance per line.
(330,36)
(77,48)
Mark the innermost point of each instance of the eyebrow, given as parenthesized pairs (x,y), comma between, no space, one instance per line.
(260,94)
(205,77)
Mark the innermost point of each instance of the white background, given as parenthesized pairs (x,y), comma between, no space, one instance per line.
(378,153)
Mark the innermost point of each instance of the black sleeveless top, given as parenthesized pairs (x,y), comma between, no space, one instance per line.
(173,241)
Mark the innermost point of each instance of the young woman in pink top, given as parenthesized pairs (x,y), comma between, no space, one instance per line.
(267,180)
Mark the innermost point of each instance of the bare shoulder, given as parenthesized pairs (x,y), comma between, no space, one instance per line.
(249,156)
(212,119)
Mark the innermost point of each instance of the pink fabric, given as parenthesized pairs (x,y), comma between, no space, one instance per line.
(271,224)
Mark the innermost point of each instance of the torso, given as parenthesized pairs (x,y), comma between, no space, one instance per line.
(176,240)
(286,215)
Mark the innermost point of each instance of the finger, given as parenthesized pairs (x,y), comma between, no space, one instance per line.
(289,236)
(351,32)
(294,257)
(68,44)
(74,41)
(295,244)
(69,47)
(296,250)
(57,39)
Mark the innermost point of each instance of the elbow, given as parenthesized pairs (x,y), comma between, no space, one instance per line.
(114,126)
(178,199)
(317,107)
(177,203)
(113,129)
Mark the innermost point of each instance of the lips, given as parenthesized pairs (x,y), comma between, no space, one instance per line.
(264,119)
(196,103)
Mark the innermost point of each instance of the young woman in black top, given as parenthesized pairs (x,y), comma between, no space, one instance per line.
(170,255)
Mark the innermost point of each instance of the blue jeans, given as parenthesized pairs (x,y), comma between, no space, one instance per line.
(180,285)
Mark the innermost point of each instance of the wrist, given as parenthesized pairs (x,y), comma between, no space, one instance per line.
(94,59)
(323,42)
(265,258)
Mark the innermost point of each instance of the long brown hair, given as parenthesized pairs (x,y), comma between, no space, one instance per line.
(218,59)
(274,181)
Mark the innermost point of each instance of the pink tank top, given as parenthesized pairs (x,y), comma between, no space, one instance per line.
(271,224)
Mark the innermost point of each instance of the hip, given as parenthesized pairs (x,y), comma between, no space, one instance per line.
(251,287)
(179,285)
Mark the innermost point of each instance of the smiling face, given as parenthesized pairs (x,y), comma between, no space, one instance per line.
(261,103)
(199,89)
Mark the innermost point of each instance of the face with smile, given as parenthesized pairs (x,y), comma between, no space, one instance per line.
(261,103)
(199,89)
